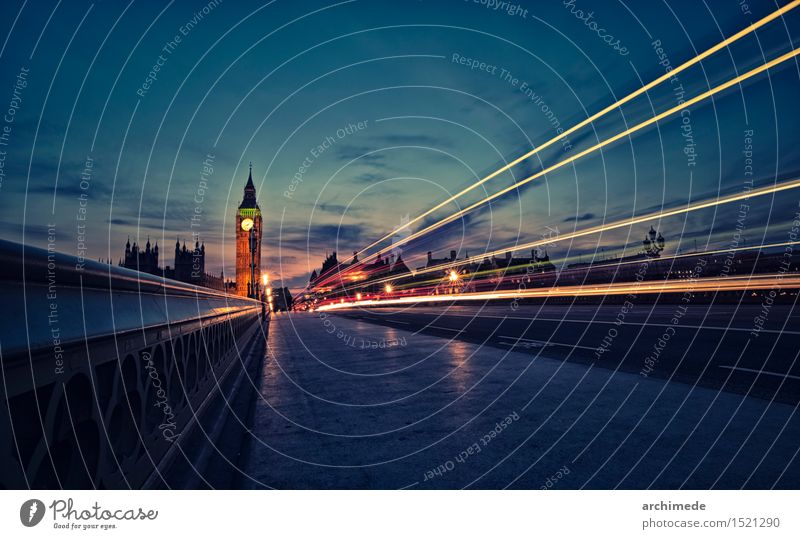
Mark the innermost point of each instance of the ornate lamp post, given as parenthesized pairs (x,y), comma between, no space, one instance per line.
(653,245)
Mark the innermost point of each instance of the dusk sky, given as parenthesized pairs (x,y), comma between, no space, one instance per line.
(388,90)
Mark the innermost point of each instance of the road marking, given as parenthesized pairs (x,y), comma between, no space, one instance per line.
(535,319)
(444,329)
(545,343)
(398,322)
(532,341)
(779,375)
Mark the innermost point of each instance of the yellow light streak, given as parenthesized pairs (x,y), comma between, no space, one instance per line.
(666,76)
(762,191)
(770,189)
(635,128)
(616,264)
(707,284)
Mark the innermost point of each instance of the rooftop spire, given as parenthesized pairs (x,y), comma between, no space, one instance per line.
(250,179)
(249,200)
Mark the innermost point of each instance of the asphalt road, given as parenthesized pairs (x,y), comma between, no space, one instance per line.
(344,403)
(730,347)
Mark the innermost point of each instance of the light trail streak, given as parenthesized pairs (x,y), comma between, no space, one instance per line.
(634,129)
(475,277)
(762,191)
(666,76)
(637,127)
(706,284)
(793,184)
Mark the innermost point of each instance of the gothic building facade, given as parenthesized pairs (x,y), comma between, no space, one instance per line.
(190,264)
(145,260)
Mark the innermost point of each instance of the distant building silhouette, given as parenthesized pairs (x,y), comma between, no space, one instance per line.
(139,260)
(283,300)
(329,264)
(438,261)
(391,265)
(189,266)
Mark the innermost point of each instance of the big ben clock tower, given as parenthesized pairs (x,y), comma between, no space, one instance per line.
(248,217)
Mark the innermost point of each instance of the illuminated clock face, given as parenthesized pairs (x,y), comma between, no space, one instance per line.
(247,224)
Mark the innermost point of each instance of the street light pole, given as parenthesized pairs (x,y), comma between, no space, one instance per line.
(253,286)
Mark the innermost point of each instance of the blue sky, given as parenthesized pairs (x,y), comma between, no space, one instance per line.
(270,82)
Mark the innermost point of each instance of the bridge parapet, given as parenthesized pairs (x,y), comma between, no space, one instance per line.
(105,369)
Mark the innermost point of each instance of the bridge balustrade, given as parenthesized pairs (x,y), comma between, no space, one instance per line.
(105,369)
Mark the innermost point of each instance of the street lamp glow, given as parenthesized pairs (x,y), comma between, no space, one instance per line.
(453,276)
(265,277)
(388,288)
(358,296)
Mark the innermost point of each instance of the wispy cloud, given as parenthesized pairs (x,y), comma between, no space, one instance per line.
(584,217)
